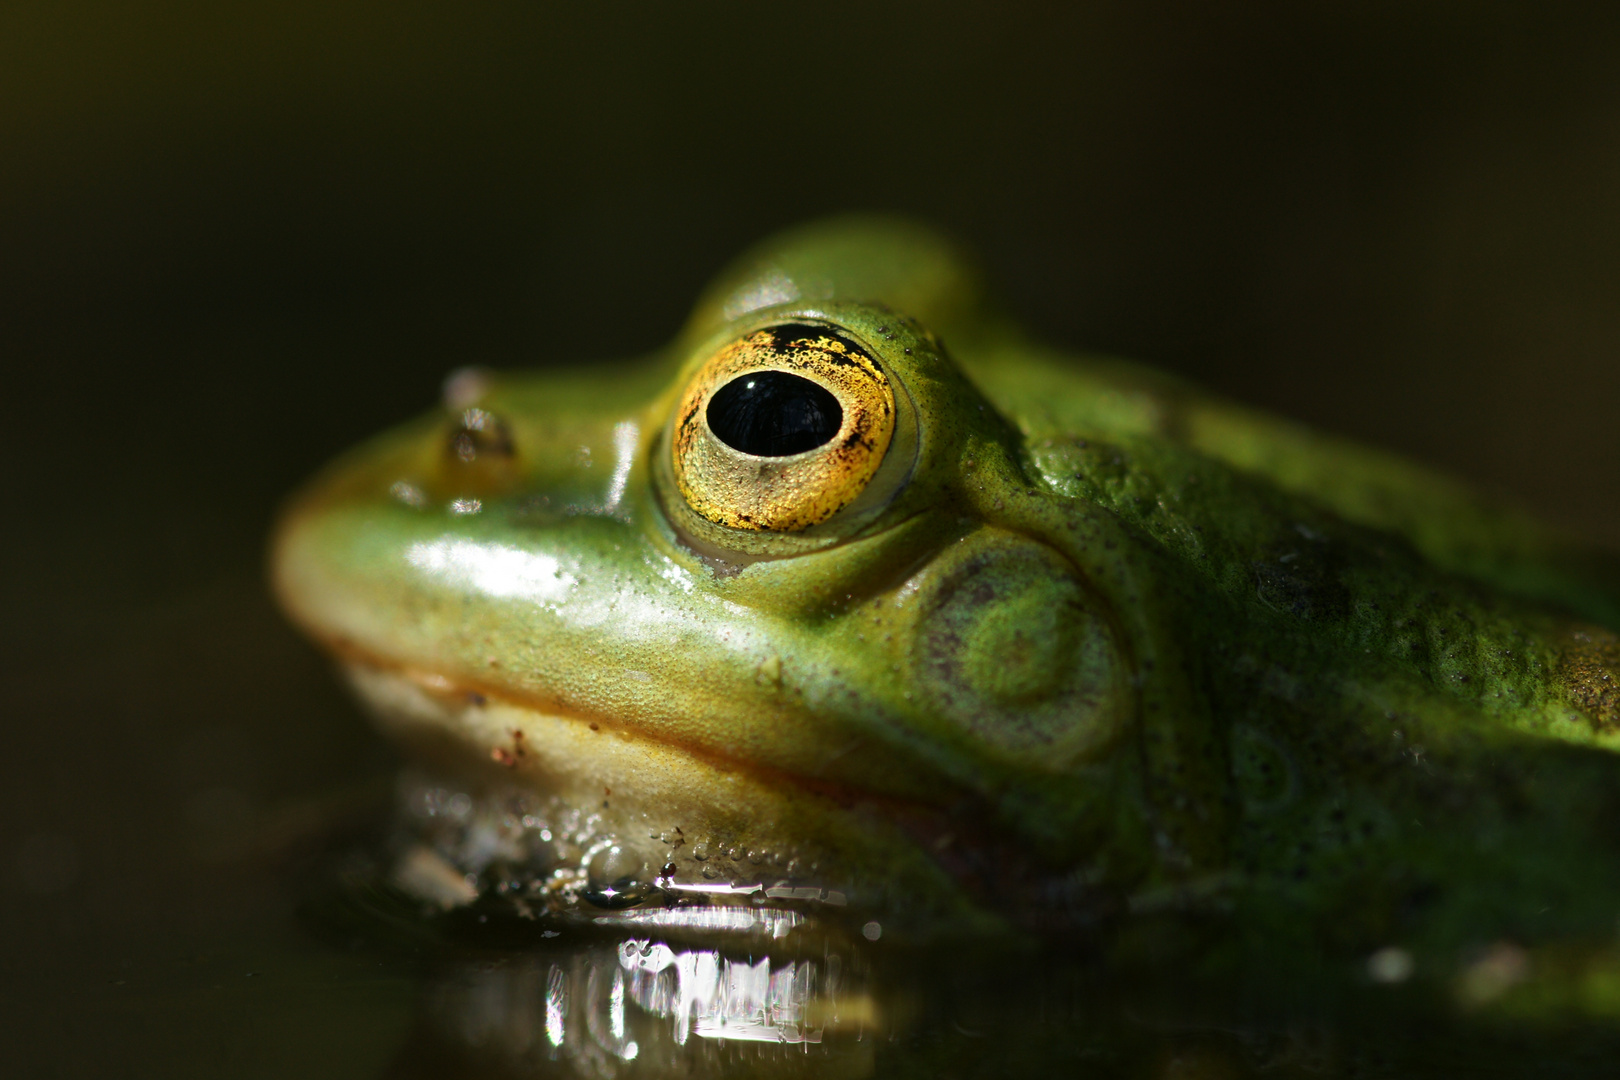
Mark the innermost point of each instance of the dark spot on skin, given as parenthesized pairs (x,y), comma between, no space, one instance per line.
(595,726)
(510,758)
(1302,581)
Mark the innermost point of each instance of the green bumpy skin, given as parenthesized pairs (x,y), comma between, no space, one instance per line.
(1100,646)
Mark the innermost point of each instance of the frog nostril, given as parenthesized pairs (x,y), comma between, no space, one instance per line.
(480,434)
(774,414)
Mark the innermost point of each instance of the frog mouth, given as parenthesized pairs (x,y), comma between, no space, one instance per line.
(563,814)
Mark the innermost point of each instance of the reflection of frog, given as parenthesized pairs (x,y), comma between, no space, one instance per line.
(808,607)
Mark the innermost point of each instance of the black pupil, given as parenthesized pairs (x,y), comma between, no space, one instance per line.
(774,414)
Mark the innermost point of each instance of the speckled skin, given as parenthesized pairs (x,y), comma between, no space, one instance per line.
(1105,646)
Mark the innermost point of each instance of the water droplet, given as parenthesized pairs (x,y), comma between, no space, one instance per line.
(710,872)
(872,931)
(1390,965)
(700,851)
(616,878)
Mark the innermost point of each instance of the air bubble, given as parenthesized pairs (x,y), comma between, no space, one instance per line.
(616,878)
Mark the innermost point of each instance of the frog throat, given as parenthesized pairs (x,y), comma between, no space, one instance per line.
(584,818)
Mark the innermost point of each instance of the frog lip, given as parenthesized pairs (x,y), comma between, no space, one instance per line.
(501,734)
(648,791)
(456,695)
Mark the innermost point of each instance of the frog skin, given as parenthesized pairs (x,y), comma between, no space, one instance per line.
(1017,638)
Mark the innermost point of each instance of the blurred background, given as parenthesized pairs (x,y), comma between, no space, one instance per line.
(236,238)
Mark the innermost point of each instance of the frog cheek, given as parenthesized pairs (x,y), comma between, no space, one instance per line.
(1015,652)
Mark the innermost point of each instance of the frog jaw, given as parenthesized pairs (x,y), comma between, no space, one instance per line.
(698,830)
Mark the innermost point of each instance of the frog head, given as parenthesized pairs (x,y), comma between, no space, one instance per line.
(783,607)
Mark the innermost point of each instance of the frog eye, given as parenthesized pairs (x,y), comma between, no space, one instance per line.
(780,430)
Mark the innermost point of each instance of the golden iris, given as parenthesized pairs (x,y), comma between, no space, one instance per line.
(781,429)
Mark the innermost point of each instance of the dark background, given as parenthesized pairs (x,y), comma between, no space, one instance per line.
(235,238)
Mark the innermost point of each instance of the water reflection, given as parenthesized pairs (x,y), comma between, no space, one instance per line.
(577,1002)
(639,1006)
(714,980)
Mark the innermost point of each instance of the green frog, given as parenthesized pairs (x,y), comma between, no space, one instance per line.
(857,603)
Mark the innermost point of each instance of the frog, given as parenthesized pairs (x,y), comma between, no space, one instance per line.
(858,602)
